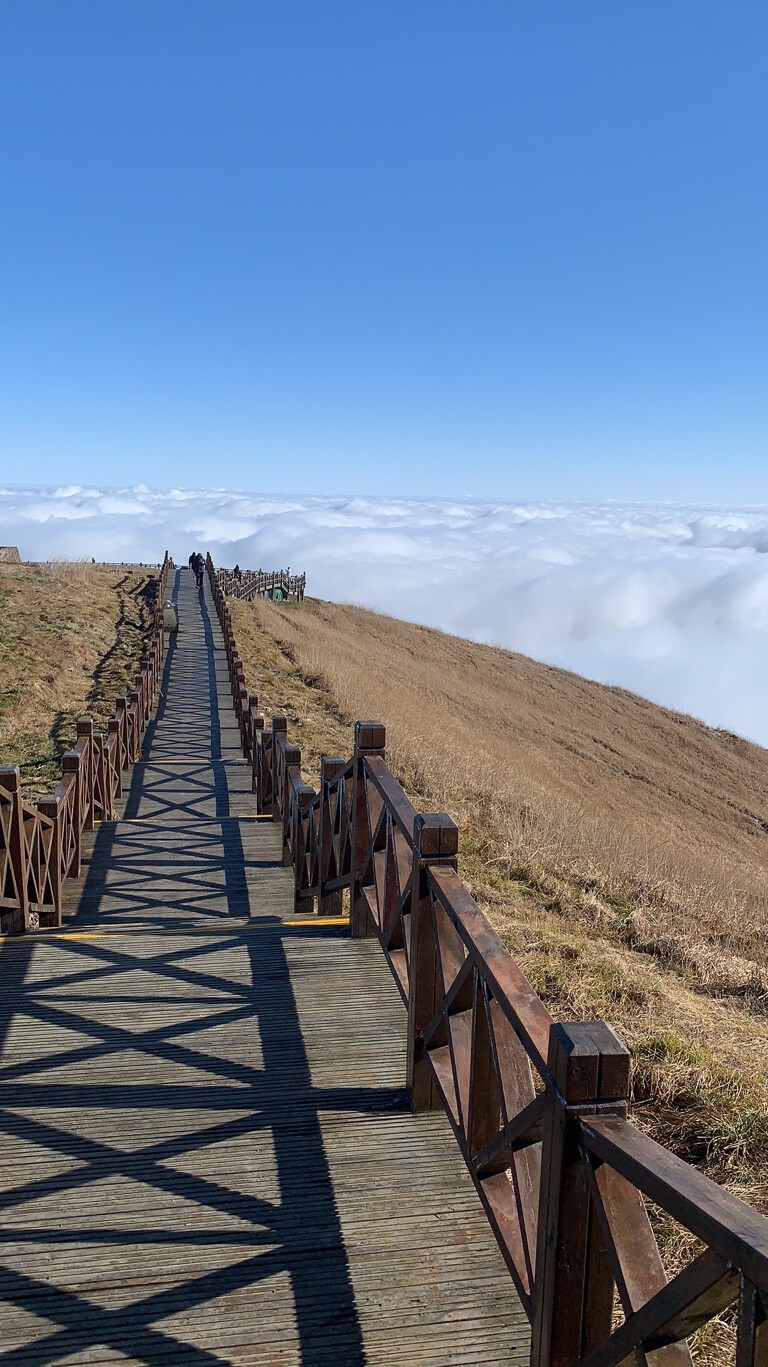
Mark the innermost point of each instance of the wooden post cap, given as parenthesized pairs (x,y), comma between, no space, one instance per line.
(370,735)
(279,724)
(436,835)
(330,766)
(10,778)
(84,726)
(588,1062)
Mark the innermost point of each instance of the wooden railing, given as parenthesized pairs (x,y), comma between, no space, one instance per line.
(538,1108)
(250,584)
(40,844)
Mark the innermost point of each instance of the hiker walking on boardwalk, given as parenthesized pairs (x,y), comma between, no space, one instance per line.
(197,565)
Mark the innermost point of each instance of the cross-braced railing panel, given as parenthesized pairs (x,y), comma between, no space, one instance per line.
(10,889)
(485,1029)
(336,828)
(622,1167)
(304,839)
(113,765)
(385,875)
(320,835)
(66,801)
(42,864)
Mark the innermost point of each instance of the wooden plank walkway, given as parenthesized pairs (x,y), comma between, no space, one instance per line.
(206,1154)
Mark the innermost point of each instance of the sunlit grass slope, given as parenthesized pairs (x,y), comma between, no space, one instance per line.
(71,635)
(620,849)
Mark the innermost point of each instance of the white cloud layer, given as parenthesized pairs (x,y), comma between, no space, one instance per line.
(670,601)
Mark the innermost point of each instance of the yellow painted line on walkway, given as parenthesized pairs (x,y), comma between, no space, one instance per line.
(187,816)
(316,922)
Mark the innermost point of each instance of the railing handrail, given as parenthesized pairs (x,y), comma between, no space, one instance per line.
(560,1170)
(521,1004)
(40,844)
(733,1229)
(393,794)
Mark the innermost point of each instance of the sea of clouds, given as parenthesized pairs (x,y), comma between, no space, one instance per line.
(671,601)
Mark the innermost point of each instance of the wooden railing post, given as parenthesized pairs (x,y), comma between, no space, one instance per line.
(573,1301)
(436,839)
(328,903)
(10,779)
(370,739)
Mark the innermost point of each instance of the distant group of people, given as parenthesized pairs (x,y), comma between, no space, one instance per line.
(197,565)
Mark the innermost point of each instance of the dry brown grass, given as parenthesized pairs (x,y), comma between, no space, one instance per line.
(71,634)
(620,849)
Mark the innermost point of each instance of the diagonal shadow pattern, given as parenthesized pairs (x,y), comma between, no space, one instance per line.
(295,1230)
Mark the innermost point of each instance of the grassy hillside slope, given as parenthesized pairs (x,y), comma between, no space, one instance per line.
(71,635)
(620,849)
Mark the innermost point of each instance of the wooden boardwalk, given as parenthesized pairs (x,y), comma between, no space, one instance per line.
(206,1153)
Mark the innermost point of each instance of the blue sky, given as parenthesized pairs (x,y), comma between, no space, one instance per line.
(502,249)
